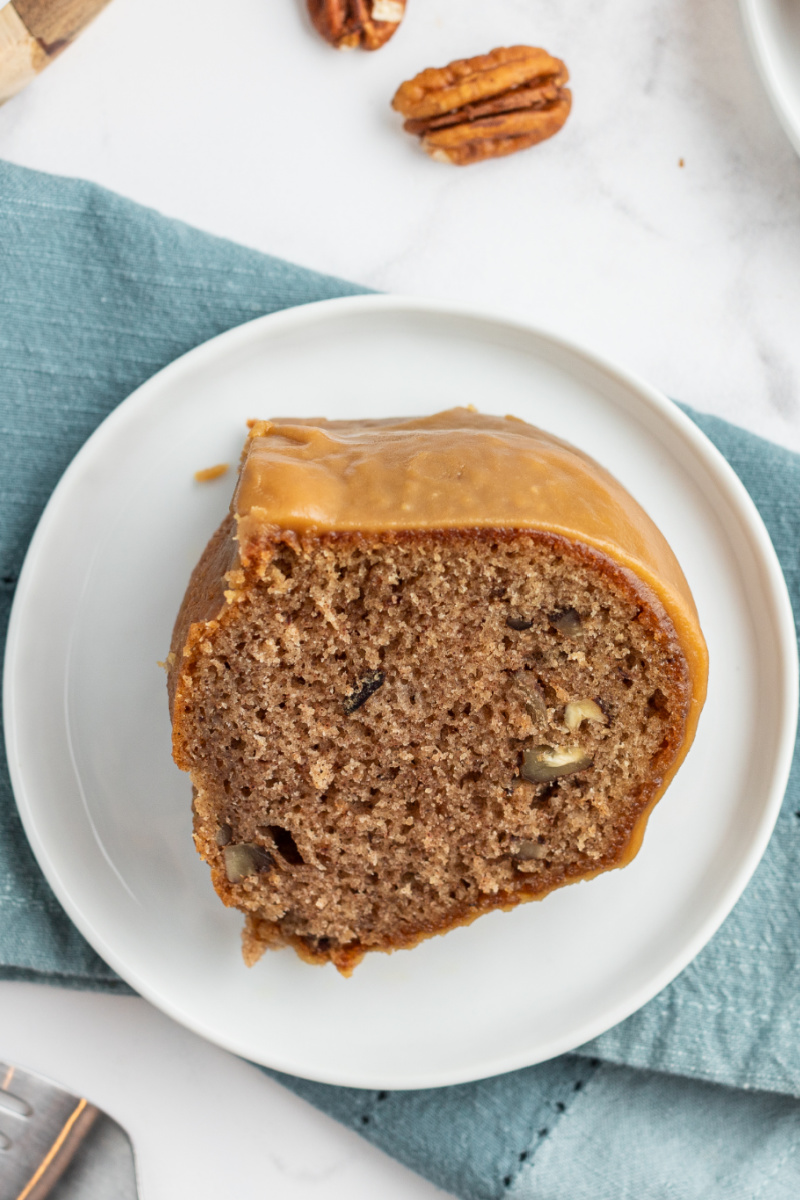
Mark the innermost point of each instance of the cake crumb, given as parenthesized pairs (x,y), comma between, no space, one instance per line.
(386,794)
(209,473)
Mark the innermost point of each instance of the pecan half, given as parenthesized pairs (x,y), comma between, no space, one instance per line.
(347,24)
(488,106)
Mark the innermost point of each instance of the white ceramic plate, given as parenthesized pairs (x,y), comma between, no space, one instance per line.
(773,30)
(108,814)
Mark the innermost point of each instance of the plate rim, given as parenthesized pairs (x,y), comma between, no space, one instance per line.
(728,485)
(760,50)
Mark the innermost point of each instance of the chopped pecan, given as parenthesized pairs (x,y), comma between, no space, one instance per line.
(368,687)
(487,106)
(347,24)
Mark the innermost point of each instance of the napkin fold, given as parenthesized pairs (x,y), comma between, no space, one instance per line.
(694,1095)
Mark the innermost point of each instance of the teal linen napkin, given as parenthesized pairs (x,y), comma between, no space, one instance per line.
(697,1094)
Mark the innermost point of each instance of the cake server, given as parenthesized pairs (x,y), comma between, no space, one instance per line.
(58,1145)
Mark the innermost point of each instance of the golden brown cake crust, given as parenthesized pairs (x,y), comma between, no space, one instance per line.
(202,603)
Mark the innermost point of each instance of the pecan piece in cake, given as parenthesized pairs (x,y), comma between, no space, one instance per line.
(348,24)
(368,687)
(488,106)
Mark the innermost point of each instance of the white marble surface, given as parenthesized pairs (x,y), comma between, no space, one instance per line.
(247,125)
(205,1125)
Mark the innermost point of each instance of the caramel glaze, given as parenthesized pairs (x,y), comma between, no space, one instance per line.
(459,469)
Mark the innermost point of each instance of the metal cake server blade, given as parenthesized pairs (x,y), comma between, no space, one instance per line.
(58,1145)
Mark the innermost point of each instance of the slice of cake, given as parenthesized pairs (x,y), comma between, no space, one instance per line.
(425,669)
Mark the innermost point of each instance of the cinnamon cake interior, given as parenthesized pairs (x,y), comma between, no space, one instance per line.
(392,731)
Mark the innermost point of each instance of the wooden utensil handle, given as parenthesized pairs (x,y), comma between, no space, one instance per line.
(33,32)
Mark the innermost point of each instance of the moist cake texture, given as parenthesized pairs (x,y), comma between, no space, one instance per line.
(425,669)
